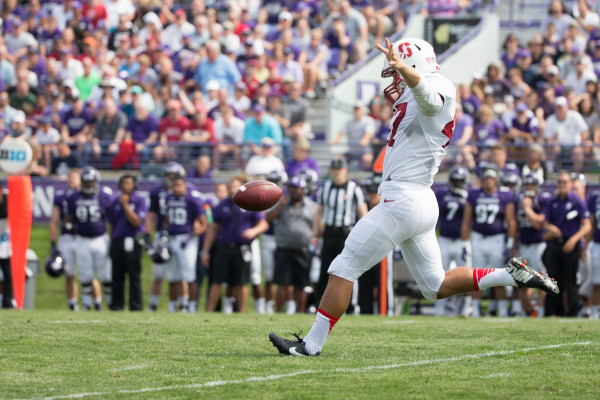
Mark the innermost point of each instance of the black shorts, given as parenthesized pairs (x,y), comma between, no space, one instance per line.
(292,267)
(229,265)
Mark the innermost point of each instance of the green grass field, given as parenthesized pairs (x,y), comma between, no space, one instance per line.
(62,355)
(51,353)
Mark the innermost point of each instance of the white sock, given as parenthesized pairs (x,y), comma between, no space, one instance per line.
(595,312)
(321,328)
(476,310)
(490,277)
(1,299)
(172,306)
(86,300)
(154,299)
(228,305)
(290,307)
(72,304)
(193,307)
(270,307)
(503,308)
(516,307)
(260,305)
(467,301)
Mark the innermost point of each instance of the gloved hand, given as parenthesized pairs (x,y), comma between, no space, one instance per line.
(54,252)
(185,241)
(465,251)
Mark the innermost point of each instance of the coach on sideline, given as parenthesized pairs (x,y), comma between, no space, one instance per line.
(570,215)
(126,215)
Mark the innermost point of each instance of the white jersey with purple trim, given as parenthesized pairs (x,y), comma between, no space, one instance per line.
(417,140)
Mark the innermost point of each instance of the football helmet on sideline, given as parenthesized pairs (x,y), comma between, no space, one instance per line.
(55,265)
(160,253)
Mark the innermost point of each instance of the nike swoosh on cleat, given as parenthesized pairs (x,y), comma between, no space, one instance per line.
(387,201)
(294,352)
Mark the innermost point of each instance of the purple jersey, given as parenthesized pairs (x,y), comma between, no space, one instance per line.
(121,228)
(489,134)
(158,195)
(530,126)
(182,211)
(489,210)
(233,221)
(566,214)
(76,123)
(89,211)
(294,166)
(594,207)
(60,201)
(451,213)
(527,233)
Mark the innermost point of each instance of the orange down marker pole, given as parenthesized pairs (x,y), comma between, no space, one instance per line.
(20,213)
(383,287)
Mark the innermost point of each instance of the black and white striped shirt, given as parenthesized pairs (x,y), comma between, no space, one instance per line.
(340,203)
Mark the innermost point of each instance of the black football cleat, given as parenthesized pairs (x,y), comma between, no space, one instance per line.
(525,276)
(290,347)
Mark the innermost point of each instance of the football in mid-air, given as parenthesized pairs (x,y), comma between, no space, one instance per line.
(257,195)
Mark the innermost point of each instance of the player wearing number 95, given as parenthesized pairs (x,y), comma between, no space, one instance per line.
(424,103)
(87,211)
(184,221)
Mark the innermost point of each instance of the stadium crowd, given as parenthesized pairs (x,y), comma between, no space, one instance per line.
(227,85)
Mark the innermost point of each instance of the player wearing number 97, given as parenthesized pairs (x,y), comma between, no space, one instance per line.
(487,211)
(184,221)
(424,103)
(86,209)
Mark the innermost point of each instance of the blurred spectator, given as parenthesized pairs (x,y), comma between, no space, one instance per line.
(17,40)
(146,75)
(174,33)
(497,82)
(315,66)
(580,76)
(262,164)
(469,100)
(76,123)
(19,128)
(229,137)
(217,66)
(47,136)
(201,169)
(116,8)
(461,148)
(200,35)
(589,112)
(276,109)
(566,133)
(37,167)
(357,133)
(356,24)
(489,130)
(241,102)
(7,69)
(223,101)
(95,11)
(261,125)
(287,67)
(68,66)
(86,82)
(524,126)
(338,41)
(298,109)
(110,127)
(511,51)
(64,161)
(124,29)
(23,98)
(557,15)
(174,127)
(534,163)
(141,135)
(301,159)
(588,19)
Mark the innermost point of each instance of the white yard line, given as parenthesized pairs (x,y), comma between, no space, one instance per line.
(315,371)
(402,321)
(79,321)
(142,366)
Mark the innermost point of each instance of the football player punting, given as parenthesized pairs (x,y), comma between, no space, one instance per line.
(421,128)
(184,221)
(154,222)
(451,201)
(86,210)
(487,211)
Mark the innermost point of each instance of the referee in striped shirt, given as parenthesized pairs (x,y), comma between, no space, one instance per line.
(341,204)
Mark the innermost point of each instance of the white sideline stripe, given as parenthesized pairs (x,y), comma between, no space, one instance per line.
(498,375)
(408,321)
(315,371)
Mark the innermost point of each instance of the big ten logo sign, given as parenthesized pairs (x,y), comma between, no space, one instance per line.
(13,155)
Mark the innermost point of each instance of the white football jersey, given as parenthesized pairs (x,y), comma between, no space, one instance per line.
(416,142)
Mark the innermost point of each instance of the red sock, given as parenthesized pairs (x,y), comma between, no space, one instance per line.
(484,278)
(319,332)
